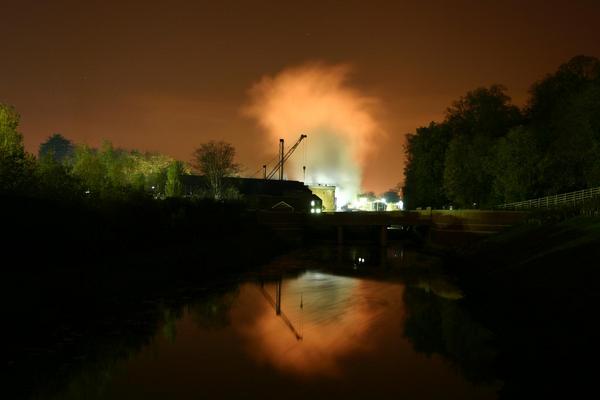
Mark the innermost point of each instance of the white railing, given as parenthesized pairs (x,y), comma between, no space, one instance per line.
(557,200)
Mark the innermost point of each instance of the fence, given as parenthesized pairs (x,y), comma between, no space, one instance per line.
(557,200)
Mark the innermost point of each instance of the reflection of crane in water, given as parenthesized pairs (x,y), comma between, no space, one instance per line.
(276,304)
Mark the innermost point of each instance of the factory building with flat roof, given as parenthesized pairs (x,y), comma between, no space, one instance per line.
(261,194)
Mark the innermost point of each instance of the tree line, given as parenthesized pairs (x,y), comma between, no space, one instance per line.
(487,151)
(109,208)
(65,171)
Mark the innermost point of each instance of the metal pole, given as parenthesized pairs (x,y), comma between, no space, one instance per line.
(278,297)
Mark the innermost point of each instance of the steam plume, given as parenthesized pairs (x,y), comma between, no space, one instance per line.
(317,100)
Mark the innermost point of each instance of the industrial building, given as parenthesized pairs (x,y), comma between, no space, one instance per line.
(327,195)
(269,193)
(261,194)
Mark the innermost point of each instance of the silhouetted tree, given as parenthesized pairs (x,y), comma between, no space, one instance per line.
(215,160)
(116,164)
(391,196)
(54,180)
(57,147)
(563,110)
(468,173)
(173,187)
(476,121)
(88,167)
(483,112)
(16,166)
(516,169)
(424,171)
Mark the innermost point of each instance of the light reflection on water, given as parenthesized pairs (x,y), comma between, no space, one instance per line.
(332,314)
(334,335)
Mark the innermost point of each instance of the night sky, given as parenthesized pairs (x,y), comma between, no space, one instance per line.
(168,76)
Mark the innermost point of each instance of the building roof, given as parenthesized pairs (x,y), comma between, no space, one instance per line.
(249,186)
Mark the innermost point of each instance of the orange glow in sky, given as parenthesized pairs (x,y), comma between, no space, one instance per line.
(168,77)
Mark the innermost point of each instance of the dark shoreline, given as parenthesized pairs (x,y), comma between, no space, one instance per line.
(537,287)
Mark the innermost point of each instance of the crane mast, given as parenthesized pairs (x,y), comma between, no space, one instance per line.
(283,158)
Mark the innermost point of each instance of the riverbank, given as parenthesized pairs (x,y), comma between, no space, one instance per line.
(538,288)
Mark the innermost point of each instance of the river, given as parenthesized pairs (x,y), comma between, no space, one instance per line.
(355,323)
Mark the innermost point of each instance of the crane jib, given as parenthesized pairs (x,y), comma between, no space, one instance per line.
(285,157)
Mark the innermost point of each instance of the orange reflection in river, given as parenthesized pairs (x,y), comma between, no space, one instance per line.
(324,319)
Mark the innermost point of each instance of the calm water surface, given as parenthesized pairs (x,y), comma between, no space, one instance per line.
(361,331)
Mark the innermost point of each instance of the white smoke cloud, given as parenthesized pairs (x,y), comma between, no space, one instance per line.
(317,100)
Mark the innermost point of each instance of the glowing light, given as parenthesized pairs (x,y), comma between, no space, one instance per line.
(312,210)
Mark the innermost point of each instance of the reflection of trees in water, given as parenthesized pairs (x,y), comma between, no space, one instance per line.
(87,368)
(438,325)
(209,312)
(170,316)
(91,380)
(212,312)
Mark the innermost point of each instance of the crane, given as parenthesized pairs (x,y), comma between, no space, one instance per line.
(282,158)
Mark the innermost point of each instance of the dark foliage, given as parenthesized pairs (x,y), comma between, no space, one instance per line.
(487,152)
(57,147)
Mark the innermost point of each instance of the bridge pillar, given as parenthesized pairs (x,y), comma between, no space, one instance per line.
(340,235)
(383,235)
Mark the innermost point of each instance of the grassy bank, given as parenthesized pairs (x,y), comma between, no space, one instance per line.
(537,286)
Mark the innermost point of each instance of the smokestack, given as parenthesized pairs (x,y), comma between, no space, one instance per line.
(280,159)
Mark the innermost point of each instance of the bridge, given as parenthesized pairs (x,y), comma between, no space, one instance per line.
(473,222)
